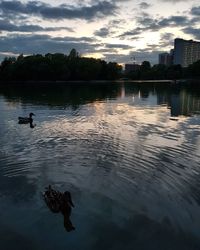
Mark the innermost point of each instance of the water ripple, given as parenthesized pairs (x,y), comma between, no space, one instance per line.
(130,153)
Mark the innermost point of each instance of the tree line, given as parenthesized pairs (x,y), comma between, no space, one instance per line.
(58,67)
(162,72)
(61,67)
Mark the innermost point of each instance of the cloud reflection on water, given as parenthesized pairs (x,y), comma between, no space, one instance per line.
(131,169)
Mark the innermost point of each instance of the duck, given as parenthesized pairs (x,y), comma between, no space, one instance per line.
(25,120)
(60,202)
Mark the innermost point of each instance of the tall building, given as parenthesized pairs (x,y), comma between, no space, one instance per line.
(166,58)
(186,52)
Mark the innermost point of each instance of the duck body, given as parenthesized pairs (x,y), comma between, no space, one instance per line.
(26,120)
(60,202)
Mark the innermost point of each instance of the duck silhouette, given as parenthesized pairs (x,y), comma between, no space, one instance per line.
(26,120)
(60,202)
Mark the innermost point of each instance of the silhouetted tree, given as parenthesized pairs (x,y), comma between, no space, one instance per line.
(158,71)
(145,66)
(57,67)
(73,54)
(193,70)
(174,72)
(145,70)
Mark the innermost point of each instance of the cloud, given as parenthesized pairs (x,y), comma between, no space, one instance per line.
(166,41)
(173,21)
(147,23)
(144,5)
(195,11)
(131,33)
(59,12)
(154,24)
(103,32)
(7,26)
(42,44)
(118,46)
(167,36)
(195,32)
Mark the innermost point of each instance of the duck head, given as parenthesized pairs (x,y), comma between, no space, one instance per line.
(31,114)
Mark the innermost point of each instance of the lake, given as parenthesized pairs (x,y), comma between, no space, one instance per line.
(128,153)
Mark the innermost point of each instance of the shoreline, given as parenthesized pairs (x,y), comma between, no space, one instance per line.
(55,82)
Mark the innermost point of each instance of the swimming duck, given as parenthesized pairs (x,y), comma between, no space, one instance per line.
(60,202)
(25,120)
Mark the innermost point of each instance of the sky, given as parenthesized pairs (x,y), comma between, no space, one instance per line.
(119,31)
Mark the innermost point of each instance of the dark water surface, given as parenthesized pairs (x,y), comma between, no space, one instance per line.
(129,155)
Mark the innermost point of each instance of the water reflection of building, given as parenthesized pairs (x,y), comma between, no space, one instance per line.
(190,104)
(122,92)
(181,103)
(175,105)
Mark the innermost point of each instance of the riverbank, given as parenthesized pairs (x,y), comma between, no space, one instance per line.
(89,81)
(52,83)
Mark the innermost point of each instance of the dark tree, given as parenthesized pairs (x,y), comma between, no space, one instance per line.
(58,67)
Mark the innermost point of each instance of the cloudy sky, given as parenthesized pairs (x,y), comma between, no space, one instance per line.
(114,30)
